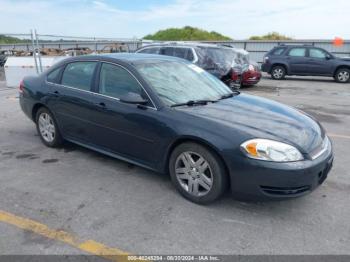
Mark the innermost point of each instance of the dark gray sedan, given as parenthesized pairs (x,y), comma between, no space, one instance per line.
(170,116)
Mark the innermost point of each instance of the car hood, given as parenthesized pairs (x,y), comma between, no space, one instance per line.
(263,118)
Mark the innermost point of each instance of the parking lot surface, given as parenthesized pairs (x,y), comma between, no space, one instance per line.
(94,197)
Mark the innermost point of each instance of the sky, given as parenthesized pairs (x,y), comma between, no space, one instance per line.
(238,19)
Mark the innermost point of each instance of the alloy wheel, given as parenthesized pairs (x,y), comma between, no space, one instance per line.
(278,73)
(343,76)
(47,127)
(193,173)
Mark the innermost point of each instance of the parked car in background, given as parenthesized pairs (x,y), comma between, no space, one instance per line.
(251,73)
(171,116)
(3,58)
(305,60)
(216,59)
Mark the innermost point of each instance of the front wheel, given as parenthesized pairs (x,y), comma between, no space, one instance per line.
(342,75)
(197,173)
(47,128)
(278,72)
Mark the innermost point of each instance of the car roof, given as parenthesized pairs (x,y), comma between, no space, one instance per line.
(295,45)
(129,58)
(185,44)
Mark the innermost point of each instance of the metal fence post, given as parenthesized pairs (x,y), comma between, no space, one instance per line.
(39,54)
(34,52)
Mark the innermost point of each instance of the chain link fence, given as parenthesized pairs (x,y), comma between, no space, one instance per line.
(41,45)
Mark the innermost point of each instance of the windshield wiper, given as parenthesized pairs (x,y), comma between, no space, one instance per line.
(194,102)
(234,93)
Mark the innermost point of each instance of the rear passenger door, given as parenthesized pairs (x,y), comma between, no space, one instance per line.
(298,61)
(72,99)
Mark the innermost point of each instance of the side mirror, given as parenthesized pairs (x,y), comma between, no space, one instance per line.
(328,57)
(133,98)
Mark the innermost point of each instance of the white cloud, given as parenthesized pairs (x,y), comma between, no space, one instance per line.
(238,19)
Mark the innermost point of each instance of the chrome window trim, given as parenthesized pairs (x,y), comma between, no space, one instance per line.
(99,94)
(195,60)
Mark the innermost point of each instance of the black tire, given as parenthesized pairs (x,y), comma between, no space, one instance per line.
(342,75)
(278,72)
(57,138)
(216,169)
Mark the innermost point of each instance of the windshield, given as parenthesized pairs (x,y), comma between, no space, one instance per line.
(178,82)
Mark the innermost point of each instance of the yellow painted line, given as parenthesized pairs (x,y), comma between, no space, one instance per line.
(338,136)
(89,246)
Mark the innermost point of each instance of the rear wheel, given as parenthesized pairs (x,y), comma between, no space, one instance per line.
(342,75)
(47,128)
(197,173)
(278,72)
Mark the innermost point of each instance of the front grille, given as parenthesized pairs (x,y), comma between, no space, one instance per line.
(285,191)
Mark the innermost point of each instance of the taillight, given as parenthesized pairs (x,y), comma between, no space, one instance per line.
(21,86)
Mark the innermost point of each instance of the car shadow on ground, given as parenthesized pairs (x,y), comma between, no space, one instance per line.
(302,78)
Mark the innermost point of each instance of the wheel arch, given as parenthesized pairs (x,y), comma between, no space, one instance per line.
(339,67)
(35,109)
(279,64)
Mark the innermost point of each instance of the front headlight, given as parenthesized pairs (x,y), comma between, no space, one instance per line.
(269,150)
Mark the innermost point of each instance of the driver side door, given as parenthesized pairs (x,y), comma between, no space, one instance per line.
(129,130)
(319,63)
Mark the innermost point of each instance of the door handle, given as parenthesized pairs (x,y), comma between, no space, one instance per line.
(101,104)
(56,93)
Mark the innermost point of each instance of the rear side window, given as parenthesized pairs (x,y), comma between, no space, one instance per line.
(151,50)
(115,81)
(299,52)
(79,75)
(52,77)
(278,51)
(180,52)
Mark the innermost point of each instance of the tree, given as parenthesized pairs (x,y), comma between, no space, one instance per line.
(271,36)
(186,33)
(11,40)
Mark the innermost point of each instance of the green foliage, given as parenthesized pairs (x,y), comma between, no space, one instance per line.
(186,33)
(11,40)
(271,36)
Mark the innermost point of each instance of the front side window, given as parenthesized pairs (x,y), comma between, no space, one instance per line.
(278,51)
(299,52)
(180,82)
(317,53)
(116,82)
(167,51)
(79,75)
(180,52)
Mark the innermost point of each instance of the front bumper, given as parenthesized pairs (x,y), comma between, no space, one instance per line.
(265,67)
(262,180)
